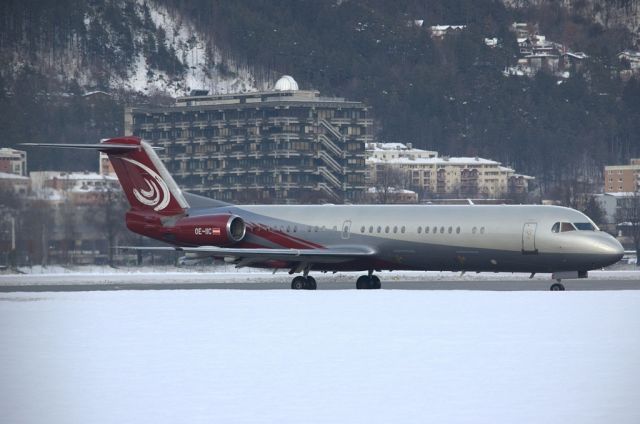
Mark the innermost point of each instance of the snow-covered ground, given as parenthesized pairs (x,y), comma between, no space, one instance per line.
(328,356)
(229,274)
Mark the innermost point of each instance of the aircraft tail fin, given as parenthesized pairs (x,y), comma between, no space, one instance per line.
(146,182)
(144,179)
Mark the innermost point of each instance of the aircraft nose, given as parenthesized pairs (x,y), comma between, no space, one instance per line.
(611,248)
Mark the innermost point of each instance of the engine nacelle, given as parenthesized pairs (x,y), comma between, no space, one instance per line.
(205,230)
(209,230)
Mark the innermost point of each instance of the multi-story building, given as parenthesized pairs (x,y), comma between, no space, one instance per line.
(284,145)
(13,161)
(78,187)
(424,171)
(622,178)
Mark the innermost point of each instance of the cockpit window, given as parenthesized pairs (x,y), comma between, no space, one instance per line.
(566,226)
(556,227)
(584,226)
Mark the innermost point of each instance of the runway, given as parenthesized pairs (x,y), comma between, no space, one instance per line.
(482,285)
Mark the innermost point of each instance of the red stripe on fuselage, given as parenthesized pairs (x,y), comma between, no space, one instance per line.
(283,240)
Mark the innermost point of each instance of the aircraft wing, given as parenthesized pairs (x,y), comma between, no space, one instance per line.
(327,255)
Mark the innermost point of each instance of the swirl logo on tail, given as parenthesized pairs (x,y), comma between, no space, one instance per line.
(156,194)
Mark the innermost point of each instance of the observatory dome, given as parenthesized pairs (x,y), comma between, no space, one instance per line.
(286,83)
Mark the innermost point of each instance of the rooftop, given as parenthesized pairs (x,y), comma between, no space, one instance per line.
(8,176)
(437,161)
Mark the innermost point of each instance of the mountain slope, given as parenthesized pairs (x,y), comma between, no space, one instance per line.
(117,44)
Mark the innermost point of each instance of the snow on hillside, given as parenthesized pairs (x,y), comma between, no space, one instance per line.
(114,44)
(192,51)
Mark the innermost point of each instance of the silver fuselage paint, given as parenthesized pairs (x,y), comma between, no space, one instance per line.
(516,238)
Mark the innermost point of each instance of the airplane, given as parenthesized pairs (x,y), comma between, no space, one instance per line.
(368,238)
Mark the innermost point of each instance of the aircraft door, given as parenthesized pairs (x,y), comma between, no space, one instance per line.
(529,238)
(346,229)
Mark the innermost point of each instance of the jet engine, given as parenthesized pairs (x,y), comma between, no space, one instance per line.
(210,230)
(204,230)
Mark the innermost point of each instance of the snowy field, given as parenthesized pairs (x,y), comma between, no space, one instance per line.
(229,274)
(230,356)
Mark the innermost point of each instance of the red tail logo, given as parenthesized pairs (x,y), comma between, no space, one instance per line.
(156,194)
(144,179)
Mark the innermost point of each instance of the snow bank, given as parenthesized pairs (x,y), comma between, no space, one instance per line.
(314,357)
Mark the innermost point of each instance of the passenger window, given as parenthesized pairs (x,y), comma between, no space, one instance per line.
(566,226)
(458,230)
(474,230)
(450,230)
(386,229)
(420,230)
(555,228)
(395,229)
(295,228)
(435,230)
(379,229)
(481,230)
(362,229)
(371,229)
(288,228)
(426,230)
(402,229)
(441,230)
(315,229)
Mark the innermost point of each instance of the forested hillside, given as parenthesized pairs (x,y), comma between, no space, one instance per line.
(446,94)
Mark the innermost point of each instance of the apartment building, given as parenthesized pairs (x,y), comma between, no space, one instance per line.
(285,145)
(426,172)
(622,178)
(13,161)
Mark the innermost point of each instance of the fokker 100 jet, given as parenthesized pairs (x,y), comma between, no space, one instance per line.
(369,238)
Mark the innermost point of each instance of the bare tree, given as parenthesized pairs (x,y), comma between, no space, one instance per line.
(388,179)
(106,215)
(629,214)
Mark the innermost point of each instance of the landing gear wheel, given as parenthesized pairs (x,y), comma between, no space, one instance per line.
(367,283)
(310,283)
(375,282)
(298,283)
(557,287)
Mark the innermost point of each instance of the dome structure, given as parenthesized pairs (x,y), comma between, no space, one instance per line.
(286,83)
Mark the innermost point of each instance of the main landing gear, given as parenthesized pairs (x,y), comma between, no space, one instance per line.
(368,282)
(557,286)
(304,283)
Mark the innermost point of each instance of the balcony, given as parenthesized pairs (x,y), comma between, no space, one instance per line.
(282,120)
